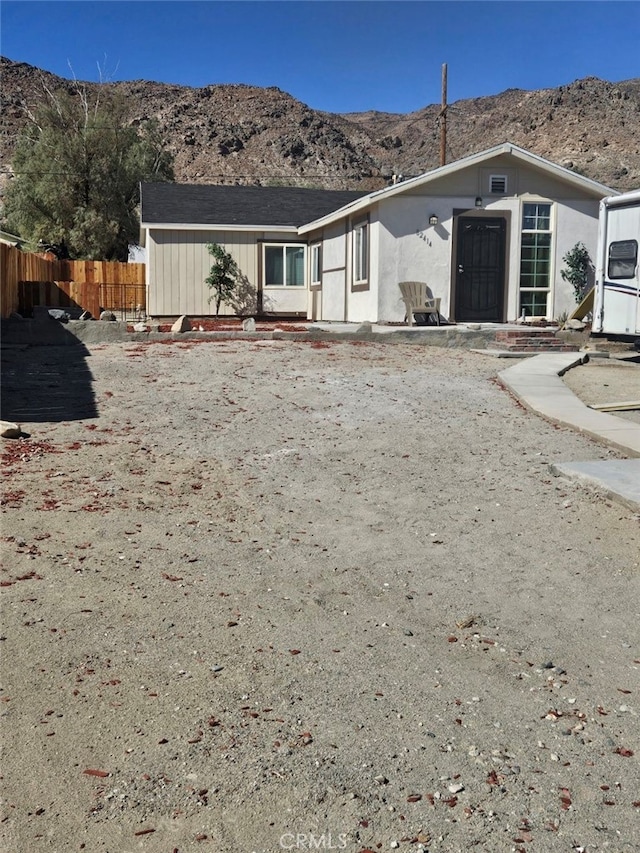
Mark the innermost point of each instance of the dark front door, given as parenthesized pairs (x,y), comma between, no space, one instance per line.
(480,263)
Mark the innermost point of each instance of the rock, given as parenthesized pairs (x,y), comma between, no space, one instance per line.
(249,325)
(86,315)
(108,315)
(10,430)
(140,327)
(59,314)
(182,324)
(42,314)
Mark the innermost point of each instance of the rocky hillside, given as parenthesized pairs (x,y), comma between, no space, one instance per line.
(246,134)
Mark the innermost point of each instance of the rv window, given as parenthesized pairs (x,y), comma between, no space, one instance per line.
(623,257)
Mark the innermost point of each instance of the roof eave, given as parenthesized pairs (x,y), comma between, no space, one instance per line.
(562,172)
(216,226)
(340,213)
(565,174)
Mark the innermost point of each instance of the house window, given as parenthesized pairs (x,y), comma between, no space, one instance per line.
(284,265)
(360,253)
(316,263)
(623,258)
(498,184)
(535,259)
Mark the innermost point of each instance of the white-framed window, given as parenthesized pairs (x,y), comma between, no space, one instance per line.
(535,259)
(498,184)
(361,252)
(283,265)
(316,263)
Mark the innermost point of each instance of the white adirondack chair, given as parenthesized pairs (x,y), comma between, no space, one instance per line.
(416,299)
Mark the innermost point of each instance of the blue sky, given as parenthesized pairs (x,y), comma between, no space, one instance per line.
(334,56)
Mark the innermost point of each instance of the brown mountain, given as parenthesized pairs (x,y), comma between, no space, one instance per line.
(247,134)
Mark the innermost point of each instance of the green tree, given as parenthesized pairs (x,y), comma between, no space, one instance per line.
(578,270)
(78,167)
(224,276)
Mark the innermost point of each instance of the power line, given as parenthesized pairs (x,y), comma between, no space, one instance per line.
(277,177)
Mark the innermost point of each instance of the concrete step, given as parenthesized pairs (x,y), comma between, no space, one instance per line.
(530,340)
(520,336)
(537,347)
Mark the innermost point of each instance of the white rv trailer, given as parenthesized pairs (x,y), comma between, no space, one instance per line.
(617,294)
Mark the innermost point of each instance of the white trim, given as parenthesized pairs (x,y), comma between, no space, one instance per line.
(627,198)
(549,290)
(360,251)
(270,244)
(504,181)
(313,248)
(218,226)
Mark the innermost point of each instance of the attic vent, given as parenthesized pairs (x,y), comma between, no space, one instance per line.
(498,184)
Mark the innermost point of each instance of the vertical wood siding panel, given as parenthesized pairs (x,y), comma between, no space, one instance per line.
(150,275)
(174,282)
(202,267)
(164,246)
(194,264)
(186,284)
(159,273)
(180,262)
(166,273)
(184,260)
(155,274)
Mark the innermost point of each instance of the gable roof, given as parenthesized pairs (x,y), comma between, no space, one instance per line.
(594,188)
(205,204)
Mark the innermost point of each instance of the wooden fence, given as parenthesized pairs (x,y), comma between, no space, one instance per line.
(29,280)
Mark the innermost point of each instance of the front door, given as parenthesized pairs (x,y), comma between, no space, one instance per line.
(480,268)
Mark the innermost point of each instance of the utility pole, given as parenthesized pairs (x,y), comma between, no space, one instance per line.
(443,118)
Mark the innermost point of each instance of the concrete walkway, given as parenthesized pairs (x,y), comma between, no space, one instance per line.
(537,383)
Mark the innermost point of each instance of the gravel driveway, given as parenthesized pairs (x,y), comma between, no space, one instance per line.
(265,596)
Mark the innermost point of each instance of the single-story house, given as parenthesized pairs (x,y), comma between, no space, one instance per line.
(486,233)
(258,226)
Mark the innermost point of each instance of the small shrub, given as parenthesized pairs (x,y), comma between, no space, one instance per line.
(224,275)
(578,270)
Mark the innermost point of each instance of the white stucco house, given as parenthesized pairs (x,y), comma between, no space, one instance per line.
(487,233)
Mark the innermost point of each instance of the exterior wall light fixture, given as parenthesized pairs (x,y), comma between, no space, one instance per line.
(433,219)
(478,201)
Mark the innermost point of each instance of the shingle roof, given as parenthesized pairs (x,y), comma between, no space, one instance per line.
(204,204)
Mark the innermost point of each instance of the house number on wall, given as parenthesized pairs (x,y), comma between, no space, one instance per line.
(423,237)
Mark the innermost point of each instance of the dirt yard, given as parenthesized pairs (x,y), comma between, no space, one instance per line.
(607,381)
(267,596)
